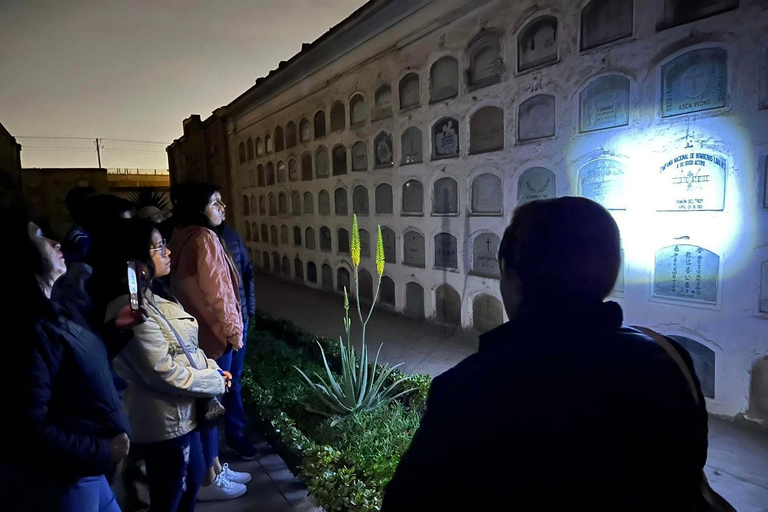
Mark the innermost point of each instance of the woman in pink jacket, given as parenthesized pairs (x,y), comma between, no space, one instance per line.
(205,280)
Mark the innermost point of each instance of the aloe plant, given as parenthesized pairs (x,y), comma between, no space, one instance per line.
(360,386)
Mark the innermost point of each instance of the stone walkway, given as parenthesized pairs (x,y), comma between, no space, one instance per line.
(737,464)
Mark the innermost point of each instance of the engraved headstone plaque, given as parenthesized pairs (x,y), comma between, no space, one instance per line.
(486,195)
(444,79)
(413,198)
(537,44)
(365,244)
(298,269)
(603,180)
(305,130)
(338,117)
(536,118)
(390,245)
(357,110)
(446,251)
(339,160)
(324,202)
(604,103)
(487,312)
(383,156)
(605,21)
(295,203)
(365,284)
(319,124)
(411,146)
(273,235)
(342,278)
(309,204)
(414,300)
(485,255)
(309,239)
(409,91)
(387,292)
(383,102)
(686,272)
(340,201)
(694,180)
(413,249)
(284,235)
(446,197)
(321,163)
(445,138)
(306,167)
(293,170)
(447,305)
(534,184)
(326,245)
(764,287)
(485,63)
(384,202)
(342,241)
(297,236)
(283,203)
(694,82)
(311,272)
(360,200)
(359,157)
(486,130)
(327,277)
(272,205)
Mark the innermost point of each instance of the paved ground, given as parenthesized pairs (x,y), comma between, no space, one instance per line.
(737,463)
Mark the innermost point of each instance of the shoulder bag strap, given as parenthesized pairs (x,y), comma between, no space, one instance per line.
(178,338)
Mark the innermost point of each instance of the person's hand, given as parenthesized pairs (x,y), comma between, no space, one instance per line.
(121,445)
(236,342)
(128,318)
(227,378)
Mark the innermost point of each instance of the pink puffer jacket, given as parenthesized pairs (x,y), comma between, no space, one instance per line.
(204,279)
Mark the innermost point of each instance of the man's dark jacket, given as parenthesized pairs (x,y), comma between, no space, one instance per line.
(562,409)
(243,263)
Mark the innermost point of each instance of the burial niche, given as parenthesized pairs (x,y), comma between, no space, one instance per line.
(268,143)
(290,135)
(357,110)
(340,201)
(411,146)
(487,312)
(703,363)
(413,249)
(414,300)
(339,160)
(383,154)
(605,21)
(326,245)
(446,197)
(485,63)
(365,285)
(283,203)
(365,244)
(413,198)
(246,205)
(254,205)
(604,103)
(485,255)
(324,202)
(241,152)
(263,205)
(342,241)
(284,235)
(409,91)
(270,173)
(387,291)
(279,140)
(383,101)
(247,232)
(311,272)
(447,305)
(342,279)
(309,239)
(276,263)
(686,272)
(309,204)
(360,200)
(262,176)
(446,251)
(679,12)
(444,79)
(259,147)
(338,117)
(298,269)
(486,130)
(249,149)
(694,82)
(305,130)
(603,181)
(297,236)
(282,175)
(252,180)
(322,166)
(384,202)
(272,205)
(320,124)
(306,166)
(293,170)
(445,138)
(390,245)
(537,43)
(327,272)
(359,157)
(692,180)
(536,118)
(264,233)
(486,195)
(286,267)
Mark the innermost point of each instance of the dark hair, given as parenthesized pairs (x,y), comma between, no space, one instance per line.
(98,212)
(562,249)
(73,199)
(189,202)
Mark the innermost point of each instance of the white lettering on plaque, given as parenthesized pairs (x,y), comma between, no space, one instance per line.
(692,181)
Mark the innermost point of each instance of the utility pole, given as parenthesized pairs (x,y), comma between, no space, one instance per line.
(98,152)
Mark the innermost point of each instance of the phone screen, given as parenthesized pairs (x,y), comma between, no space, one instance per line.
(133,286)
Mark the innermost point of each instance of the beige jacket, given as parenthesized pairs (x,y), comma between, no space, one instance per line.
(162,385)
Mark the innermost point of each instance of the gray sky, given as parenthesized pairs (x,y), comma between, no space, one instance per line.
(134,69)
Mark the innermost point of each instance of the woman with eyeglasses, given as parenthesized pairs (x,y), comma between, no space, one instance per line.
(205,279)
(165,371)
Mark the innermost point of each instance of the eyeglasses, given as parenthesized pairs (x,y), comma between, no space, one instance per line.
(161,247)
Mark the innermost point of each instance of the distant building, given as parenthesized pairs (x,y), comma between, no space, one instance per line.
(10,169)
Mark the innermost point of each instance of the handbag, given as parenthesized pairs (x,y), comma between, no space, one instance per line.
(710,501)
(208,409)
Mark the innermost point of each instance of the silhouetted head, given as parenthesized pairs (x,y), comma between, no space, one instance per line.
(73,199)
(558,251)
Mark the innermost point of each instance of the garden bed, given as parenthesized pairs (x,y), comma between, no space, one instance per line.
(346,466)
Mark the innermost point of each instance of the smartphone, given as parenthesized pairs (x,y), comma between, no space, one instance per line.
(134,278)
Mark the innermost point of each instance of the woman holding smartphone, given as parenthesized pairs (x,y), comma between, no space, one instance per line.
(165,371)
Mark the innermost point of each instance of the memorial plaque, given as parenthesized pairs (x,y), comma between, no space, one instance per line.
(298,269)
(686,272)
(290,135)
(447,305)
(537,44)
(265,262)
(445,138)
(297,236)
(268,143)
(619,286)
(444,79)
(340,201)
(306,167)
(485,63)
(384,102)
(534,184)
(356,110)
(339,160)
(263,205)
(276,263)
(324,203)
(764,287)
(411,146)
(327,277)
(359,157)
(311,272)
(309,239)
(309,204)
(487,313)
(270,173)
(384,202)
(321,163)
(259,147)
(413,197)
(446,251)
(365,284)
(295,203)
(694,82)
(604,103)
(486,195)
(485,256)
(387,291)
(692,180)
(605,21)
(285,269)
(414,300)
(338,117)
(293,170)
(413,250)
(446,197)
(326,245)
(360,200)
(365,244)
(342,241)
(319,124)
(264,233)
(262,176)
(486,130)
(342,278)
(272,205)
(383,150)
(390,245)
(279,140)
(602,180)
(409,91)
(536,118)
(283,203)
(284,235)
(305,130)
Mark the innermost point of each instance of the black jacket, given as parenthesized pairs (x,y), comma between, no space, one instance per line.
(243,263)
(559,410)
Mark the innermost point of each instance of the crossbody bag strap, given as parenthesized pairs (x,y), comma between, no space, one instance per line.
(178,338)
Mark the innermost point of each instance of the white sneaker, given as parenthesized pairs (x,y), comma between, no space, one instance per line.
(221,489)
(237,477)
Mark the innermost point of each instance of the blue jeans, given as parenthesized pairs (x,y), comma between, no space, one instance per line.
(175,470)
(234,420)
(23,493)
(89,494)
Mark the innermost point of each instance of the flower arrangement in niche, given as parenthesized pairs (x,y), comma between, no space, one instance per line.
(360,386)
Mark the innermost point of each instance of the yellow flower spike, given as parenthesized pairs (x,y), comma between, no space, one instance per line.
(346,299)
(355,242)
(380,253)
